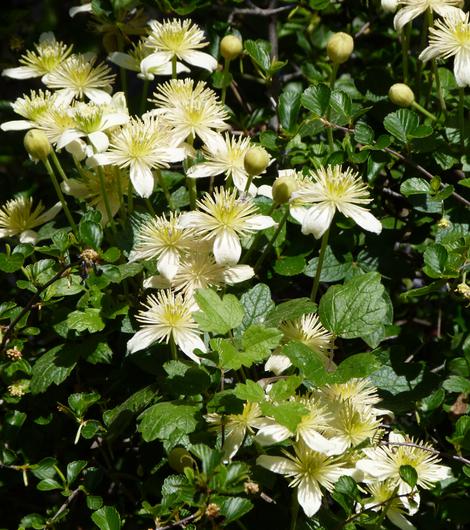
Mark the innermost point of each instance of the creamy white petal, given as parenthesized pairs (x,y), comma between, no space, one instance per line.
(362,217)
(142,179)
(124,61)
(100,97)
(429,53)
(168,264)
(78,149)
(99,140)
(67,137)
(277,464)
(156,281)
(28,236)
(233,441)
(21,72)
(406,14)
(309,496)
(260,222)
(277,364)
(189,341)
(85,8)
(17,125)
(155,60)
(201,59)
(64,96)
(141,340)
(49,214)
(315,440)
(237,274)
(76,188)
(203,170)
(265,191)
(399,519)
(318,219)
(190,219)
(272,434)
(227,248)
(462,68)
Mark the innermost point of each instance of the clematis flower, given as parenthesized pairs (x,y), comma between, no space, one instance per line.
(224,154)
(180,39)
(31,108)
(48,55)
(309,471)
(142,145)
(193,110)
(78,77)
(199,270)
(333,189)
(412,9)
(18,218)
(223,219)
(168,317)
(83,8)
(309,331)
(163,239)
(450,37)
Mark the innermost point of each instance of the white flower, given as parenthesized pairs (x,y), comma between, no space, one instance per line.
(168,317)
(179,39)
(18,218)
(225,154)
(308,470)
(333,189)
(142,145)
(223,219)
(83,8)
(163,239)
(49,54)
(451,37)
(389,6)
(31,108)
(77,77)
(383,463)
(192,110)
(414,8)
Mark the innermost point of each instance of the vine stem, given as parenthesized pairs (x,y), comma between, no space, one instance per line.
(58,166)
(143,101)
(462,118)
(225,75)
(405,45)
(163,185)
(421,109)
(105,199)
(282,222)
(173,67)
(329,131)
(321,257)
(256,239)
(130,198)
(174,353)
(62,200)
(294,511)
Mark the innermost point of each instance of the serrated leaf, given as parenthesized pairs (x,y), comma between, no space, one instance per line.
(249,391)
(316,99)
(49,484)
(88,320)
(356,308)
(259,340)
(409,475)
(309,363)
(290,310)
(289,265)
(107,518)
(11,263)
(74,469)
(53,368)
(91,234)
(289,106)
(260,53)
(81,402)
(457,383)
(161,420)
(415,186)
(232,508)
(401,124)
(363,133)
(257,304)
(435,259)
(285,388)
(287,414)
(340,107)
(217,315)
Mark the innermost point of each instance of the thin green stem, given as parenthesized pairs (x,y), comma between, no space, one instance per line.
(130,198)
(329,130)
(117,177)
(440,95)
(321,257)
(462,118)
(225,76)
(192,188)
(60,195)
(419,67)
(122,71)
(294,510)
(173,67)
(58,165)
(268,247)
(405,46)
(104,194)
(421,109)
(248,184)
(256,240)
(143,101)
(174,353)
(150,207)
(163,185)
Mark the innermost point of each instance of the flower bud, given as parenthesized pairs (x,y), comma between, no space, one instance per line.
(37,144)
(256,160)
(340,47)
(389,6)
(179,458)
(230,47)
(283,187)
(401,95)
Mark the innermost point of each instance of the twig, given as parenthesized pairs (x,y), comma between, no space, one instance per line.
(430,450)
(64,506)
(259,12)
(401,157)
(179,523)
(29,305)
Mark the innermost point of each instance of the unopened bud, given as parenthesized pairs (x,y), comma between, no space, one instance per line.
(212,510)
(256,160)
(179,458)
(401,95)
(37,144)
(283,187)
(340,47)
(389,6)
(230,47)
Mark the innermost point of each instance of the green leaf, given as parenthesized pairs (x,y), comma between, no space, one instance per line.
(287,414)
(161,420)
(217,315)
(184,379)
(415,186)
(119,416)
(74,469)
(340,107)
(88,320)
(409,475)
(363,133)
(260,53)
(332,270)
(11,263)
(259,341)
(290,310)
(285,388)
(249,391)
(289,265)
(289,106)
(107,518)
(401,124)
(316,99)
(91,234)
(309,363)
(457,383)
(80,403)
(53,368)
(257,304)
(49,484)
(94,502)
(356,308)
(435,260)
(232,508)
(355,366)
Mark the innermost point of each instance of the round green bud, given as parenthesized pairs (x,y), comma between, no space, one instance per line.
(230,47)
(179,458)
(37,144)
(256,160)
(283,187)
(340,47)
(401,95)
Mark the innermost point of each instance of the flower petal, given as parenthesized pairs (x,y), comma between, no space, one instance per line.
(362,217)
(124,61)
(141,340)
(142,179)
(16,125)
(28,236)
(201,59)
(237,274)
(462,68)
(188,341)
(168,264)
(277,464)
(21,72)
(85,8)
(99,140)
(100,97)
(260,222)
(317,219)
(407,14)
(309,496)
(227,248)
(49,214)
(277,364)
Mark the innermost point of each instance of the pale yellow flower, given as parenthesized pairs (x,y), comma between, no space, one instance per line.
(411,9)
(31,108)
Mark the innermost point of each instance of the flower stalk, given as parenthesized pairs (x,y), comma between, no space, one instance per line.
(321,257)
